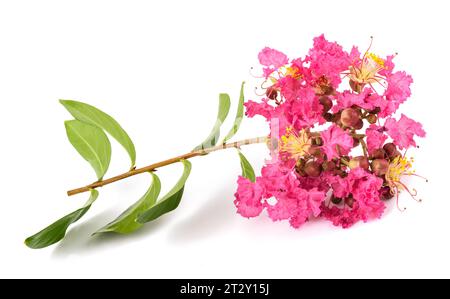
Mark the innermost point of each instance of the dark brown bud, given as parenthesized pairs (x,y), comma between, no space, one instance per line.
(359,125)
(378,154)
(328,166)
(299,167)
(336,200)
(326,103)
(394,155)
(389,148)
(380,166)
(386,193)
(349,117)
(371,118)
(328,116)
(271,93)
(349,201)
(355,142)
(375,111)
(359,161)
(318,141)
(312,169)
(356,87)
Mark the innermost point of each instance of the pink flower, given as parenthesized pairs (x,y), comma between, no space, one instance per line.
(248,197)
(375,138)
(366,191)
(398,90)
(335,138)
(328,59)
(264,109)
(272,60)
(403,131)
(292,201)
(367,99)
(306,110)
(340,217)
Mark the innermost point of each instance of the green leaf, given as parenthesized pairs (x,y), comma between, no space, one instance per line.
(247,169)
(170,201)
(91,115)
(213,137)
(91,143)
(56,231)
(126,222)
(239,116)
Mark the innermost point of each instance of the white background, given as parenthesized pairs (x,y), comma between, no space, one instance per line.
(157,67)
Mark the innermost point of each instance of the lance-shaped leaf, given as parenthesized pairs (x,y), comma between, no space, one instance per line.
(247,169)
(56,231)
(239,116)
(91,143)
(126,222)
(213,137)
(91,115)
(170,201)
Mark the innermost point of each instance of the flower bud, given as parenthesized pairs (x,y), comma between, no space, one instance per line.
(349,201)
(389,148)
(318,141)
(394,155)
(328,116)
(385,193)
(312,169)
(336,200)
(299,167)
(356,87)
(359,125)
(378,154)
(355,142)
(380,166)
(349,117)
(371,118)
(271,93)
(376,110)
(326,103)
(328,165)
(359,161)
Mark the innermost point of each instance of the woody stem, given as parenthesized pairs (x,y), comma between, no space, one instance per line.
(160,164)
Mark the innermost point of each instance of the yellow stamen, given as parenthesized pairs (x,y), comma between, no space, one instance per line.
(399,167)
(296,145)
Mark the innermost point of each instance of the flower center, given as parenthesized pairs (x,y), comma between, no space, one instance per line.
(295,145)
(366,72)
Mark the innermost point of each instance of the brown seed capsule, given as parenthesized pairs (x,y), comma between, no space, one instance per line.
(380,166)
(271,93)
(359,161)
(326,103)
(349,117)
(378,154)
(312,169)
(371,118)
(386,193)
(336,200)
(389,148)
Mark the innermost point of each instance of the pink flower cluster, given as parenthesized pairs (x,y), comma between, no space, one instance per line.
(338,145)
